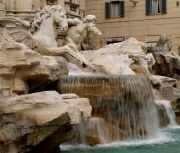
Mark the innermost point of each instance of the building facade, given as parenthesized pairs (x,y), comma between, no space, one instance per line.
(24,8)
(2,8)
(144,19)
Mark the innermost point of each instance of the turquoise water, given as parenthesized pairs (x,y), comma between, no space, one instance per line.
(167,142)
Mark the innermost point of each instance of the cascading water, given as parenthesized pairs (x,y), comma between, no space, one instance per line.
(168,112)
(123,106)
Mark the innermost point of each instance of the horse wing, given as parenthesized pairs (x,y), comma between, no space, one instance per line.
(18,29)
(13,22)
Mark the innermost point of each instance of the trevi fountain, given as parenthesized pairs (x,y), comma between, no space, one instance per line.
(74,98)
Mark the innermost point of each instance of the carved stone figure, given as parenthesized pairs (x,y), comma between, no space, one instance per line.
(167,63)
(164,44)
(90,18)
(43,34)
(73,22)
(79,34)
(88,37)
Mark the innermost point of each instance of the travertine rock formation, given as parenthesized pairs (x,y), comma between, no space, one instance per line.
(162,81)
(36,122)
(20,66)
(165,91)
(126,58)
(164,44)
(39,122)
(173,95)
(167,64)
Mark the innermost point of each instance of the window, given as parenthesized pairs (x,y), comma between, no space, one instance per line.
(73,1)
(156,7)
(52,2)
(114,8)
(73,8)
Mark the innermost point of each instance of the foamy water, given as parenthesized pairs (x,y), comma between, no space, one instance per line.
(163,137)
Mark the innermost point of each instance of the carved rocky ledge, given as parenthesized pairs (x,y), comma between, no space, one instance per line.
(39,122)
(121,58)
(162,81)
(23,70)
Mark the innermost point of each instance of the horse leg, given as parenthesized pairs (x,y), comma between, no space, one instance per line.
(72,55)
(67,52)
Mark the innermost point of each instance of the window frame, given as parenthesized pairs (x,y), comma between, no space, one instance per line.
(149,8)
(51,2)
(108,9)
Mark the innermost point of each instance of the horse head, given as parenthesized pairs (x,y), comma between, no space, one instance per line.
(60,19)
(54,11)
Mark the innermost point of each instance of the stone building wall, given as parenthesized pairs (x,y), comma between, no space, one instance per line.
(2,8)
(24,8)
(136,23)
(21,8)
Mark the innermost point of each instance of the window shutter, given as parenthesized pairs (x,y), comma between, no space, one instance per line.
(122,8)
(148,7)
(164,6)
(107,10)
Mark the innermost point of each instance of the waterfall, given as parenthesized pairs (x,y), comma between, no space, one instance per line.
(168,111)
(123,106)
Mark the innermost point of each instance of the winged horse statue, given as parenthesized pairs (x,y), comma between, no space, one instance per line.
(40,34)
